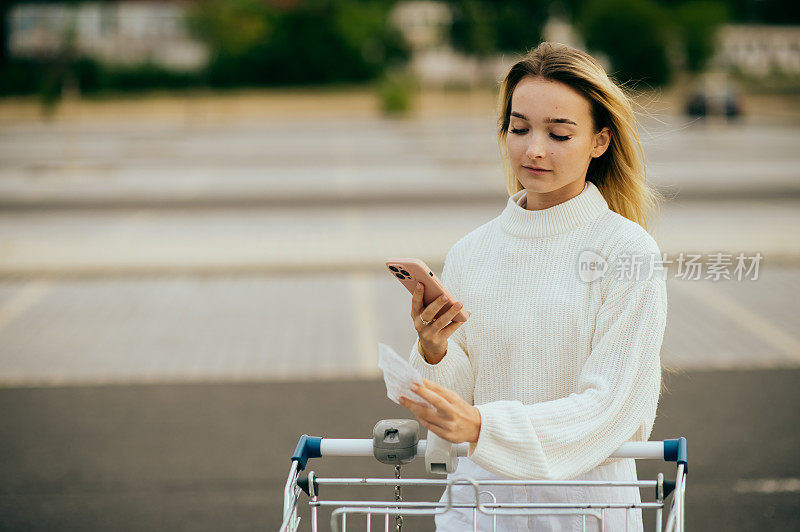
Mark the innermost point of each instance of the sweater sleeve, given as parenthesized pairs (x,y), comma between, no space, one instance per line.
(614,402)
(454,371)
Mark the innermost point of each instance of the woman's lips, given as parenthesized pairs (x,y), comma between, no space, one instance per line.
(536,171)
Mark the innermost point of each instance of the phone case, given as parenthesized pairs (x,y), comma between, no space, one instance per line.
(411,271)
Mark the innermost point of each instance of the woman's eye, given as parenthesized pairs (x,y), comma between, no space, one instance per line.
(559,138)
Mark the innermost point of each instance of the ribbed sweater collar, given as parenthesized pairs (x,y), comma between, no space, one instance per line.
(561,218)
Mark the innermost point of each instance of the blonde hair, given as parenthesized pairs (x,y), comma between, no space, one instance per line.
(619,173)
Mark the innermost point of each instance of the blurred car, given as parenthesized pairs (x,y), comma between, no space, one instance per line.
(714,96)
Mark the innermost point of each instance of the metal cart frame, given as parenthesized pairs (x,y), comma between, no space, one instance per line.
(313,447)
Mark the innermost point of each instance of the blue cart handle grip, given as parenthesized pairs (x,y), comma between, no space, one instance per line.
(307,447)
(675,451)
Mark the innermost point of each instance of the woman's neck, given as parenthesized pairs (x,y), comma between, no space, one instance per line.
(537,201)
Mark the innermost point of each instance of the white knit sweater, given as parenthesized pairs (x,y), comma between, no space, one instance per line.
(563,370)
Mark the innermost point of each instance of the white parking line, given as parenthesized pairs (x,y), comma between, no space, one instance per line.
(365,326)
(739,314)
(25,298)
(767,485)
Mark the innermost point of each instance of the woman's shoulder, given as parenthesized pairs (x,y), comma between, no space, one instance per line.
(615,234)
(629,253)
(478,237)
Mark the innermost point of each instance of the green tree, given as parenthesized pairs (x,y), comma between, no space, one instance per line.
(697,25)
(232,27)
(483,27)
(310,42)
(634,34)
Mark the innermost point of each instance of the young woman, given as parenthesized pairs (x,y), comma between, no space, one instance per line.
(559,363)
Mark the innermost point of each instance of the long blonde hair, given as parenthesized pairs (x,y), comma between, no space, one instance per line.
(619,173)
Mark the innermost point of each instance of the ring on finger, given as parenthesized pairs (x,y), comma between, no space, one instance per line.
(425,322)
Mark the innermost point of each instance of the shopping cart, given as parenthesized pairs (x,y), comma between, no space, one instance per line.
(440,457)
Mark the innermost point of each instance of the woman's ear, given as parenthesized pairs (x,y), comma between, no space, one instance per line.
(601,142)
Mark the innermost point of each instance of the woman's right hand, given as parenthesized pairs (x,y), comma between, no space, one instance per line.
(433,335)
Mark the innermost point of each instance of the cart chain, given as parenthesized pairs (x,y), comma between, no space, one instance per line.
(398,497)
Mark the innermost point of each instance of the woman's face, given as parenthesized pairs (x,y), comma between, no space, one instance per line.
(551,140)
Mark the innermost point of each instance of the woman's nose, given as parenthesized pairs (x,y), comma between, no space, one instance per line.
(535,150)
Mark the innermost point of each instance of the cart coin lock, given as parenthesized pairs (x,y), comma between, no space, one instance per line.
(394,441)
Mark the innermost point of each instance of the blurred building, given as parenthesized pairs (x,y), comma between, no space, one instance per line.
(126,32)
(759,50)
(425,25)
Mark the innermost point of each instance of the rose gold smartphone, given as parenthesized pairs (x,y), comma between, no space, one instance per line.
(411,271)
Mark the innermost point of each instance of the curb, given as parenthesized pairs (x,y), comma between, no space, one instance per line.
(428,194)
(341,265)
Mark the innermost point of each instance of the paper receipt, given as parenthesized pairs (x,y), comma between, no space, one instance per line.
(398,375)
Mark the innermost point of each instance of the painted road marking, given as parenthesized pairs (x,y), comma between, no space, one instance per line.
(767,485)
(25,298)
(365,325)
(748,320)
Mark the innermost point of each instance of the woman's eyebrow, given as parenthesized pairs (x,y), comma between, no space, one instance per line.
(547,120)
(559,121)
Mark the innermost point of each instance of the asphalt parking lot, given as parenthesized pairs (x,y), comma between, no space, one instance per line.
(215,456)
(181,298)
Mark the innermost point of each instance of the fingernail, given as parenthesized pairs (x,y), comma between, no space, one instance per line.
(419,285)
(414,387)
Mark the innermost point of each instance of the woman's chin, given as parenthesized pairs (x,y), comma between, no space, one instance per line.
(540,185)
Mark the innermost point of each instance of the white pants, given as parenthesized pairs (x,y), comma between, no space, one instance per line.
(461,519)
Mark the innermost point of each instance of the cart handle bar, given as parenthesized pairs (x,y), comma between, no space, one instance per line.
(313,447)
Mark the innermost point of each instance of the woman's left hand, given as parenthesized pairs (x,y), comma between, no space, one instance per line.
(451,418)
